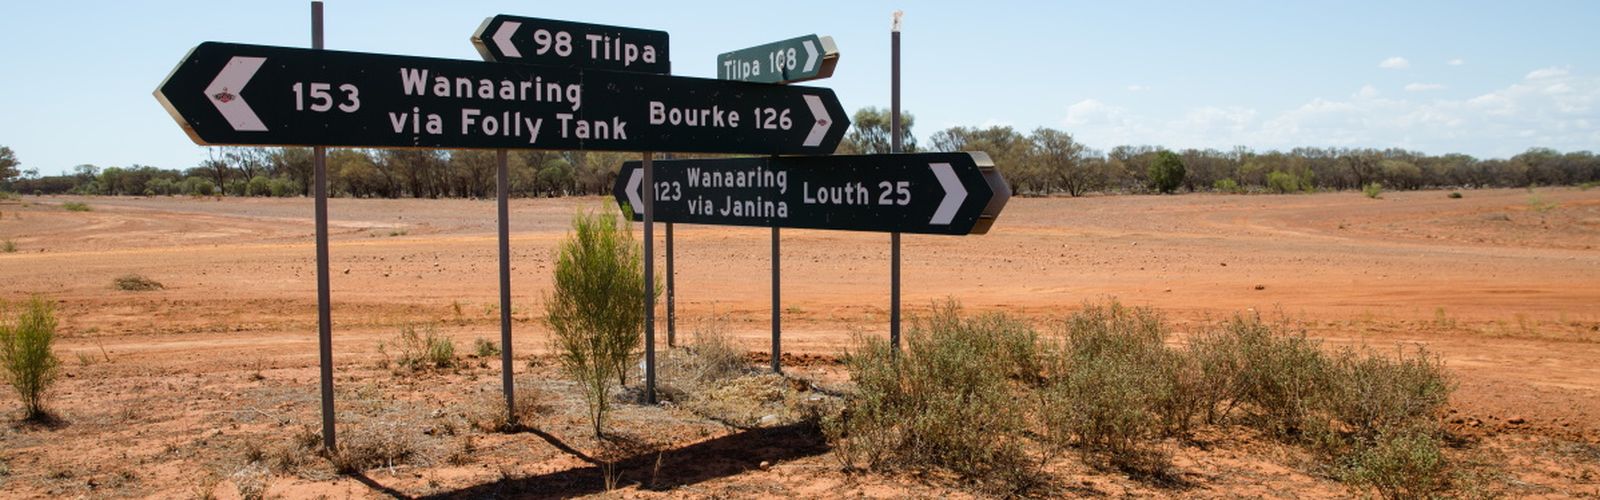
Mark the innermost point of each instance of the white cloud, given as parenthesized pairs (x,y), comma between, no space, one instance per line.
(1546,73)
(1094,112)
(1395,62)
(1138,88)
(1457,62)
(1552,108)
(1422,87)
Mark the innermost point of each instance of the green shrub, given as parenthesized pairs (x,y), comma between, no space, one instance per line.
(1373,190)
(484,348)
(1539,204)
(197,186)
(8,246)
(596,310)
(1227,186)
(1368,394)
(1401,463)
(1588,185)
(1244,361)
(947,401)
(1455,195)
(76,206)
(136,283)
(1282,182)
(259,185)
(420,350)
(1115,389)
(25,348)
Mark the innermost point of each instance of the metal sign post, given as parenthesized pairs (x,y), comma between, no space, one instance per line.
(319,156)
(503,223)
(777,312)
(894,147)
(808,57)
(672,330)
(648,202)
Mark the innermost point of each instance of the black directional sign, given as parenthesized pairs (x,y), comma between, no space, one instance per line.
(255,95)
(798,59)
(530,40)
(931,193)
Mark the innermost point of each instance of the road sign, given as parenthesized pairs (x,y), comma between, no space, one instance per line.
(799,59)
(530,40)
(931,193)
(231,94)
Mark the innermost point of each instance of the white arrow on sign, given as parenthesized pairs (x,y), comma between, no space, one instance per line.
(502,38)
(811,56)
(954,193)
(824,121)
(225,93)
(633,188)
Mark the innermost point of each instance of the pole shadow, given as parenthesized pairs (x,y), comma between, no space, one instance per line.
(695,463)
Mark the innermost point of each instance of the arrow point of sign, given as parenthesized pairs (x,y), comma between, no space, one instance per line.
(954,193)
(824,121)
(634,179)
(225,93)
(502,38)
(811,56)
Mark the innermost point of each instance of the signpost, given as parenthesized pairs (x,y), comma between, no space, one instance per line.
(809,57)
(232,94)
(926,193)
(548,42)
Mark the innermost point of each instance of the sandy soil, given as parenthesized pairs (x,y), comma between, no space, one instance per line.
(165,391)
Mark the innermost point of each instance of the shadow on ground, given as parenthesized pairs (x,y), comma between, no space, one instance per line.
(655,470)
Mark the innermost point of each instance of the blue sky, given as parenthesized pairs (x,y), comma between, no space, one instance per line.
(1489,79)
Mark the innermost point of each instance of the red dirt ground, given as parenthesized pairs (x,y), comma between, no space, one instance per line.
(165,391)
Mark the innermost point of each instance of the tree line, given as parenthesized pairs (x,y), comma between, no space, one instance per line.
(1042,162)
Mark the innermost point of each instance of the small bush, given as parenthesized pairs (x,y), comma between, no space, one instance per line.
(76,206)
(136,283)
(1227,186)
(1288,182)
(596,310)
(1539,204)
(947,401)
(8,246)
(488,411)
(484,348)
(1115,389)
(1402,463)
(710,357)
(366,448)
(1455,195)
(1369,395)
(26,341)
(1588,185)
(1373,190)
(421,351)
(1245,362)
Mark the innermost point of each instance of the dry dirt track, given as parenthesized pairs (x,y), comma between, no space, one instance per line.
(1504,286)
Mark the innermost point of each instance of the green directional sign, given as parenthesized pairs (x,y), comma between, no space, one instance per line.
(809,57)
(233,94)
(928,193)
